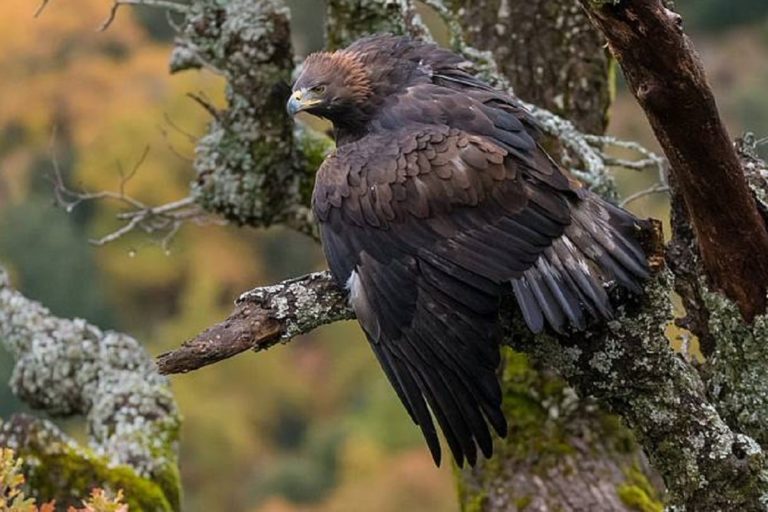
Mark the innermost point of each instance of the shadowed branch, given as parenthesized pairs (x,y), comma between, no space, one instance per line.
(263,317)
(667,78)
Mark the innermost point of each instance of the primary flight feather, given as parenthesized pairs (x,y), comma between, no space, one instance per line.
(437,200)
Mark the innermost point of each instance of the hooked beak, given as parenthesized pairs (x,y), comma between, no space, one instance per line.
(301,100)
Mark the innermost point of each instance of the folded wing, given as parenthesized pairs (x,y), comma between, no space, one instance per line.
(426,227)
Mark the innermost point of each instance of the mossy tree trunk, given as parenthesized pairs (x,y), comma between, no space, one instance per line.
(548,51)
(562,452)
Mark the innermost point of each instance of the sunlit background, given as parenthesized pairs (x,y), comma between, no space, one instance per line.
(310,426)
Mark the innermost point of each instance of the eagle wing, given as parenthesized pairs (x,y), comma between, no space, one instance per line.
(425,226)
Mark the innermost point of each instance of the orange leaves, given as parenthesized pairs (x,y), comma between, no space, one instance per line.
(12,499)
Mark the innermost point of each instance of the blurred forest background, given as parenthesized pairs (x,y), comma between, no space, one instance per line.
(311,426)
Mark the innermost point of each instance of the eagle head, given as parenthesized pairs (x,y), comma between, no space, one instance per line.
(330,85)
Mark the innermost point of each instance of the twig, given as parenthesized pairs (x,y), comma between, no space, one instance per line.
(206,104)
(162,4)
(165,219)
(41,8)
(654,189)
(126,178)
(190,137)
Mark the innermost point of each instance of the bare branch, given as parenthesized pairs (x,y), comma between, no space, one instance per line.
(42,7)
(191,138)
(204,102)
(164,220)
(656,188)
(162,4)
(666,76)
(262,318)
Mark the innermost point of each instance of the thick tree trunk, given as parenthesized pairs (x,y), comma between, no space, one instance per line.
(548,51)
(562,452)
(667,78)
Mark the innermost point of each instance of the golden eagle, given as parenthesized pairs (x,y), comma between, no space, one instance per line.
(437,200)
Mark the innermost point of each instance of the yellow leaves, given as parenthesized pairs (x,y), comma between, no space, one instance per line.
(107,93)
(38,52)
(12,499)
(100,501)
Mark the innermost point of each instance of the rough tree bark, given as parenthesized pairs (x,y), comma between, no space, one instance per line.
(706,464)
(548,51)
(694,430)
(667,78)
(562,452)
(69,367)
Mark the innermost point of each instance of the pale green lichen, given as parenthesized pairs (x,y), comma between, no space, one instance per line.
(58,469)
(637,493)
(630,368)
(349,20)
(539,456)
(248,169)
(69,367)
(737,372)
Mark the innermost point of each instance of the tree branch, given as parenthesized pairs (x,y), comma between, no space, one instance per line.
(252,167)
(666,77)
(69,367)
(736,366)
(628,366)
(262,318)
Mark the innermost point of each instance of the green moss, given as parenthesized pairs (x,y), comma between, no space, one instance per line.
(313,148)
(522,503)
(622,440)
(527,393)
(637,493)
(68,475)
(475,504)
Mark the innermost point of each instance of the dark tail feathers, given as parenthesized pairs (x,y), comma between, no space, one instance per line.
(568,284)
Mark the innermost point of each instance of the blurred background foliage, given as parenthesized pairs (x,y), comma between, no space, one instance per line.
(311,426)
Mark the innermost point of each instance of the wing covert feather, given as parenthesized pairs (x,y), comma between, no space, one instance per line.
(426,227)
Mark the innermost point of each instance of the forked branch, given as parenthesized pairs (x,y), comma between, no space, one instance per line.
(667,78)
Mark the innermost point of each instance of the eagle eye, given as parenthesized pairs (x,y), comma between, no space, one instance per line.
(318,89)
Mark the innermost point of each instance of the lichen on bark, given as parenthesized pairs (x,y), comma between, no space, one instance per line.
(561,452)
(69,367)
(548,51)
(737,372)
(736,367)
(248,167)
(628,367)
(348,20)
(57,468)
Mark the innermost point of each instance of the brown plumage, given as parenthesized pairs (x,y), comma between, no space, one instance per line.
(437,200)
